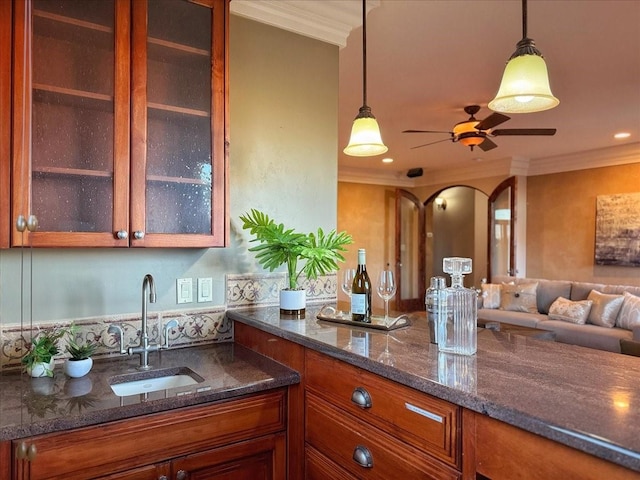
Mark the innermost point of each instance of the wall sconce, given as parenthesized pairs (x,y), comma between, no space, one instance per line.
(441,203)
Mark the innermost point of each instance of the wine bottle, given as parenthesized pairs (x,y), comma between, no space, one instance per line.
(361,291)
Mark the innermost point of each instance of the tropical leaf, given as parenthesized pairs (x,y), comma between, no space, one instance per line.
(278,246)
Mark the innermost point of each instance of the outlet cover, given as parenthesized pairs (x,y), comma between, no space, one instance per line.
(205,289)
(184,290)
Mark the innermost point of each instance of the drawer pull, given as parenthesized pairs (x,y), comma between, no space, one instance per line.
(362,456)
(361,397)
(182,475)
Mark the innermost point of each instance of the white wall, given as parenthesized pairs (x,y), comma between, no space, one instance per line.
(283,160)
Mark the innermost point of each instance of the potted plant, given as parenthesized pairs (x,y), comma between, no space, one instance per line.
(80,362)
(38,361)
(320,253)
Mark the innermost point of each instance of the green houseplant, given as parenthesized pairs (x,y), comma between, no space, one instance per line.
(38,361)
(80,362)
(320,252)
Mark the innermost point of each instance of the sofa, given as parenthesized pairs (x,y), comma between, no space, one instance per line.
(591,315)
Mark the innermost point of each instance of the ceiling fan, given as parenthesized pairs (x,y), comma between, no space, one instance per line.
(475,133)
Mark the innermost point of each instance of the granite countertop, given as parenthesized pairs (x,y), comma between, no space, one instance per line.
(31,406)
(584,398)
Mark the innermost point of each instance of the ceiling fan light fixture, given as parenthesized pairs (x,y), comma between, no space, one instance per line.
(365,140)
(525,83)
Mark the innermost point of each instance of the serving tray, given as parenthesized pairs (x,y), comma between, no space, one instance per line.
(328,313)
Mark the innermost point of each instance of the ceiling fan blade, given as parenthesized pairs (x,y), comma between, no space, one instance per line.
(487,145)
(524,131)
(491,121)
(425,131)
(431,143)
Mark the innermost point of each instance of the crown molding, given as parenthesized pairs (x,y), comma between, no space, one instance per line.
(603,157)
(330,21)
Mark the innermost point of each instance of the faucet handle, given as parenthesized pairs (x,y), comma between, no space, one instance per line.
(118,330)
(169,325)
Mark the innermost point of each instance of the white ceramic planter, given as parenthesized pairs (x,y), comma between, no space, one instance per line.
(77,368)
(41,369)
(293,302)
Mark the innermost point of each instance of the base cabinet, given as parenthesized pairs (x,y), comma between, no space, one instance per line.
(500,455)
(243,438)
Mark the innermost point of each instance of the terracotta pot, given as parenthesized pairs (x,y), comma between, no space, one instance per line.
(293,302)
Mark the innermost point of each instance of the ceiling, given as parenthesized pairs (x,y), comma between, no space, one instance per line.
(427,59)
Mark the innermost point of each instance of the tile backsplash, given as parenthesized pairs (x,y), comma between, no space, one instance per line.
(195,326)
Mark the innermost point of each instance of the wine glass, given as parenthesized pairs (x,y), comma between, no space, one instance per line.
(386,290)
(347,283)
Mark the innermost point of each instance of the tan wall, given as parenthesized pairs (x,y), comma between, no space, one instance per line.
(367,212)
(561,219)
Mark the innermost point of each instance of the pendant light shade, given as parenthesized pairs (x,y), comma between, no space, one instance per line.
(525,83)
(365,140)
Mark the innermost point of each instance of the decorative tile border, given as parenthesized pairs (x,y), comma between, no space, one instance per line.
(250,289)
(194,327)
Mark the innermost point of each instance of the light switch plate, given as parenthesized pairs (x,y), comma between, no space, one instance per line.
(184,290)
(205,289)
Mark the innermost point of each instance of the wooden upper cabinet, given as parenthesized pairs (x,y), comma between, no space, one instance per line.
(120,123)
(5,123)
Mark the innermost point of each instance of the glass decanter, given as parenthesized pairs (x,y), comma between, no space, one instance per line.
(457,328)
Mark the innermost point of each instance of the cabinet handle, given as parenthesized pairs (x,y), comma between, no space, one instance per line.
(362,456)
(122,234)
(21,451)
(30,223)
(163,477)
(32,451)
(361,397)
(138,234)
(24,452)
(181,475)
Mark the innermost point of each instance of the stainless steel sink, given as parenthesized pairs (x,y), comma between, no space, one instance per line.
(153,380)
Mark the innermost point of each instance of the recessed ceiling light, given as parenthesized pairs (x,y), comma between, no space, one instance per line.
(387,160)
(621,135)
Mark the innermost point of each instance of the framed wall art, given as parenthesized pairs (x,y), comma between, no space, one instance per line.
(618,230)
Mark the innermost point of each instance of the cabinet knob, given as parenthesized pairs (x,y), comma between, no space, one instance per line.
(122,234)
(362,456)
(181,475)
(138,235)
(163,477)
(30,223)
(24,452)
(361,397)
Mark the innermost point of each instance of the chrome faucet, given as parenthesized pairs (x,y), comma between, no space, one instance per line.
(145,347)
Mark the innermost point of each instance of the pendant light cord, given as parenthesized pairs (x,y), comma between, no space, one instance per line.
(364,53)
(524,18)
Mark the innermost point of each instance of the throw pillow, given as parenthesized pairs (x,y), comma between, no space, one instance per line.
(519,298)
(629,315)
(605,308)
(491,295)
(570,311)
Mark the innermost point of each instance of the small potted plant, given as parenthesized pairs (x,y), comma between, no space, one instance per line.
(80,362)
(38,361)
(320,253)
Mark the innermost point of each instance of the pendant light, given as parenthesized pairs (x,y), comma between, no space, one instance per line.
(525,83)
(365,138)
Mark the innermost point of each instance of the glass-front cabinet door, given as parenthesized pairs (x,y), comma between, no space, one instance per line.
(178,149)
(120,114)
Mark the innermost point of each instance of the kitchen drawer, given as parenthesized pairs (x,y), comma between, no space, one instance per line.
(319,467)
(338,435)
(428,423)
